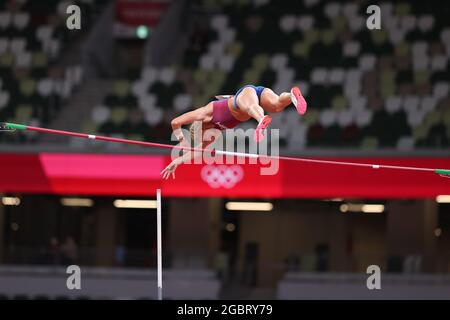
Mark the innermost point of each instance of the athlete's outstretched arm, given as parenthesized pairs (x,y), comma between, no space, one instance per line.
(185,119)
(170,169)
(196,135)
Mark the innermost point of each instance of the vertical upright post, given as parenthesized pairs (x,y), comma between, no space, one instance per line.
(159,242)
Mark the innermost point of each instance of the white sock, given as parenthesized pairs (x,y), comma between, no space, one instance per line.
(261,120)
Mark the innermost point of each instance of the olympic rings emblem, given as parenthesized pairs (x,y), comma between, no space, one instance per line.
(222,176)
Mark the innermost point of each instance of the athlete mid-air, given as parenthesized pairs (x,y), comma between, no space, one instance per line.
(228,111)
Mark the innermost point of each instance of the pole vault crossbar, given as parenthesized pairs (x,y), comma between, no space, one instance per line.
(4,126)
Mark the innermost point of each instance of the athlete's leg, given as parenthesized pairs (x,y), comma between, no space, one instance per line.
(273,103)
(247,101)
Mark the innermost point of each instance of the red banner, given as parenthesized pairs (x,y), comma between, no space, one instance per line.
(139,175)
(135,13)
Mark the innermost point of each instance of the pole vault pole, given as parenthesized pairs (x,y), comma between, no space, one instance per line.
(4,126)
(159,243)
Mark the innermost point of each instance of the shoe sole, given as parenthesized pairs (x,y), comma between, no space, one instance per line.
(296,102)
(262,126)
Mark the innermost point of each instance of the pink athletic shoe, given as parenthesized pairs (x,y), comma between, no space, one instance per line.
(298,100)
(259,131)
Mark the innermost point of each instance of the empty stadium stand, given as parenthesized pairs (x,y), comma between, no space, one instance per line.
(33,38)
(367,89)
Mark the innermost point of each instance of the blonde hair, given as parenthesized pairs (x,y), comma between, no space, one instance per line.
(193,130)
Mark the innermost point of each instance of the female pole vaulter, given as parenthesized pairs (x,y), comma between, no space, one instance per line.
(228,111)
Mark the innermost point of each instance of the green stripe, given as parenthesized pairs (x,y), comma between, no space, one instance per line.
(14,126)
(442,171)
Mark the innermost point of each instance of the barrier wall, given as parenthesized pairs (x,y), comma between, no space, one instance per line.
(139,175)
(310,286)
(107,283)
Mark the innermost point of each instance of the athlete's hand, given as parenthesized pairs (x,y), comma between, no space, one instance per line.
(169,170)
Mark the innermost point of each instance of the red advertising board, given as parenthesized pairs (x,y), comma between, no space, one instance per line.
(139,175)
(139,12)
